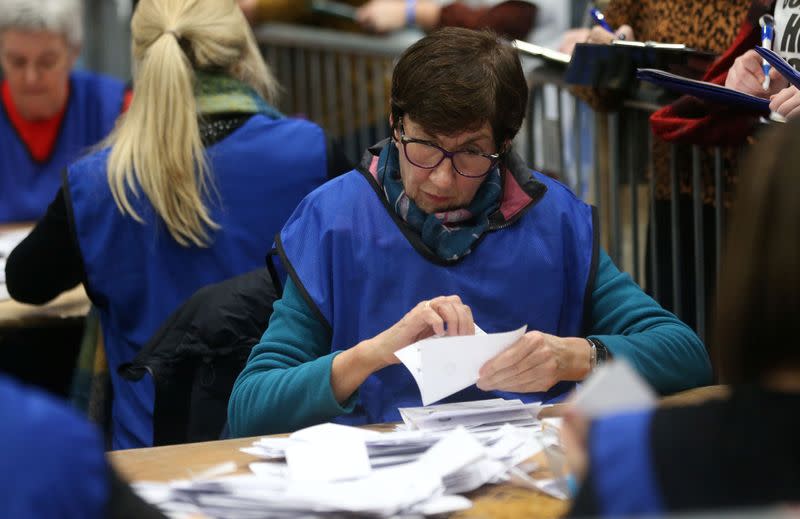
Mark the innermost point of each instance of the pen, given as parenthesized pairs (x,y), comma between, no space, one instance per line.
(600,19)
(767,23)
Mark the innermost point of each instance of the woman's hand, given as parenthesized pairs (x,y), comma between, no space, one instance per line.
(574,440)
(746,75)
(600,35)
(786,102)
(573,37)
(382,15)
(536,362)
(249,8)
(445,315)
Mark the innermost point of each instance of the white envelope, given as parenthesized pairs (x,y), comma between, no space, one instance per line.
(613,388)
(442,366)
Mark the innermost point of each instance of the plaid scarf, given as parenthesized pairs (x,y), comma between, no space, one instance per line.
(219,94)
(451,234)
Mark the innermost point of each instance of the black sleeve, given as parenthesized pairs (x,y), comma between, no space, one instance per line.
(585,503)
(338,163)
(124,503)
(48,261)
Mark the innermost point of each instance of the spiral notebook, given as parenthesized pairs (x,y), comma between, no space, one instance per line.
(704,90)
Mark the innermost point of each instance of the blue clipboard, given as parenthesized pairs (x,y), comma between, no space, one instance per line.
(703,90)
(786,70)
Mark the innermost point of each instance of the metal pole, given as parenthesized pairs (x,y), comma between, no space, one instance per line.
(634,143)
(677,303)
(654,267)
(699,256)
(578,146)
(614,167)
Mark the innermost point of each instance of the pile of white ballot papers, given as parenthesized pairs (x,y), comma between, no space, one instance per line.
(480,415)
(418,469)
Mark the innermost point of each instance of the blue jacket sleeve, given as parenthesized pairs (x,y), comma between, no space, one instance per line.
(666,352)
(285,385)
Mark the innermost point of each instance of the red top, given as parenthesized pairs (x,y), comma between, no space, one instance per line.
(38,136)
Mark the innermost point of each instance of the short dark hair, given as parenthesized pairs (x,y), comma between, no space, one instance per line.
(455,80)
(758,324)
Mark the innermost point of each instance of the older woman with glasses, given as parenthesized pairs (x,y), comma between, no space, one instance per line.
(48,113)
(440,228)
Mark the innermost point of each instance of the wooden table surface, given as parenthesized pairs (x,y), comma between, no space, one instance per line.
(73,304)
(491,501)
(182,461)
(70,305)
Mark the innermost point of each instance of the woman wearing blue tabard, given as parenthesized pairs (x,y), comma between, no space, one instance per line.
(49,115)
(189,189)
(439,228)
(739,451)
(52,463)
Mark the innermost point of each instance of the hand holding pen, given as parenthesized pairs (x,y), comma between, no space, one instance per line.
(604,33)
(747,76)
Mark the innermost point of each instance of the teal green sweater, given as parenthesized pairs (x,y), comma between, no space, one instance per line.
(286,383)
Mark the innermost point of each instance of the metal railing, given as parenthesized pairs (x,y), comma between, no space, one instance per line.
(339,80)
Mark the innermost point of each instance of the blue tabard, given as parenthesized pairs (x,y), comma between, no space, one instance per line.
(138,275)
(26,186)
(52,462)
(621,461)
(361,274)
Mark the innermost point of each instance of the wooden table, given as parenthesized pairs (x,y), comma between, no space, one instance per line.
(64,309)
(182,461)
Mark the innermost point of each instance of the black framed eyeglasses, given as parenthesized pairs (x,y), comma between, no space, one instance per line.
(427,155)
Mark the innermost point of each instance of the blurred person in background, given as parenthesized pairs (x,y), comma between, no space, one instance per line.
(513,19)
(189,189)
(258,11)
(739,451)
(49,114)
(747,74)
(709,26)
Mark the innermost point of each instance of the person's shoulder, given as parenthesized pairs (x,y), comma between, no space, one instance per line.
(51,455)
(95,80)
(288,122)
(342,191)
(93,163)
(30,414)
(556,187)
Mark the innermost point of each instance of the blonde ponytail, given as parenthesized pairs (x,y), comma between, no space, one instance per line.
(156,146)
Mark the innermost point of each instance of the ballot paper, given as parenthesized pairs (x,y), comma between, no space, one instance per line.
(442,366)
(328,452)
(538,51)
(8,241)
(457,461)
(384,449)
(614,387)
(487,414)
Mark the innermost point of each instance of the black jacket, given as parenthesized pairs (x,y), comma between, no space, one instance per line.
(198,352)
